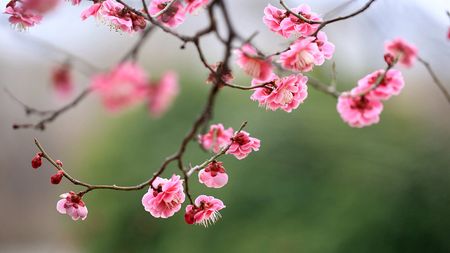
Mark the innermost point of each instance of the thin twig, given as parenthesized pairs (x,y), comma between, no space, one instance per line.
(436,80)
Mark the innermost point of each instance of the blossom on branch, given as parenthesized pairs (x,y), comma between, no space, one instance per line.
(192,6)
(205,211)
(72,205)
(165,197)
(285,93)
(122,87)
(242,145)
(171,17)
(254,65)
(406,52)
(214,175)
(359,111)
(302,55)
(216,138)
(391,84)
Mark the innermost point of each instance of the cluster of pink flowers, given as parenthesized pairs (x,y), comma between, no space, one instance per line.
(363,105)
(285,93)
(27,13)
(239,144)
(128,84)
(285,24)
(308,50)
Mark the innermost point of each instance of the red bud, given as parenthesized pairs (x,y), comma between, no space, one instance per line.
(389,59)
(36,162)
(56,179)
(60,164)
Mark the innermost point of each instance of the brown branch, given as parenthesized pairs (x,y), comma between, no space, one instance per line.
(436,80)
(54,114)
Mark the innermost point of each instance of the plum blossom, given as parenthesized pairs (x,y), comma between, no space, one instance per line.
(91,11)
(21,17)
(285,93)
(40,6)
(62,80)
(172,17)
(273,17)
(326,47)
(120,18)
(302,55)
(406,52)
(214,175)
(292,24)
(392,84)
(162,94)
(165,197)
(242,145)
(254,65)
(205,210)
(194,5)
(122,87)
(216,138)
(359,111)
(72,205)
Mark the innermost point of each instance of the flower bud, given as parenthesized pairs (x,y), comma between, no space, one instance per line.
(389,59)
(56,179)
(36,162)
(59,163)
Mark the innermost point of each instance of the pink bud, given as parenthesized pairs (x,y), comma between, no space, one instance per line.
(59,163)
(56,179)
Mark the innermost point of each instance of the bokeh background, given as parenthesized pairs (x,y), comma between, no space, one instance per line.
(316,186)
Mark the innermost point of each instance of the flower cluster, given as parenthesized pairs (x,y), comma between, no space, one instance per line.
(127,84)
(363,105)
(311,48)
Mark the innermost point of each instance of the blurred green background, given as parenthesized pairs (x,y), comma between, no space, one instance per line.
(317,185)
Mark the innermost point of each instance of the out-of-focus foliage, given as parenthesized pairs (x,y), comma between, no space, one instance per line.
(317,185)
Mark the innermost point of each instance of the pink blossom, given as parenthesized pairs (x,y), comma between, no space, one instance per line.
(292,24)
(214,175)
(113,13)
(173,17)
(392,84)
(302,55)
(122,87)
(285,93)
(193,5)
(162,94)
(216,138)
(205,211)
(359,111)
(91,11)
(22,17)
(72,205)
(406,52)
(165,198)
(62,80)
(253,64)
(242,145)
(273,17)
(326,47)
